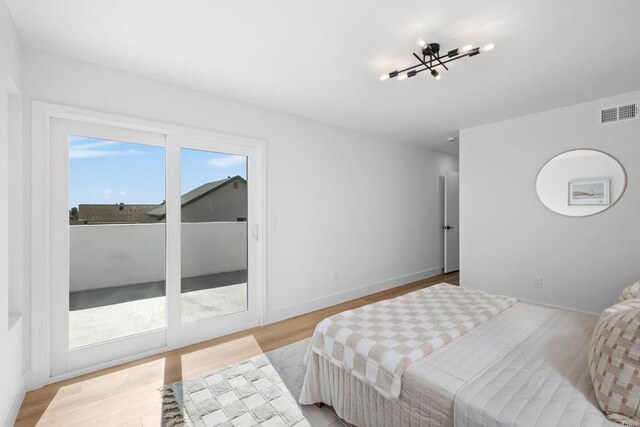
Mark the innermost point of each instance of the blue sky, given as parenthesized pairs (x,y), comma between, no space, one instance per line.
(105,172)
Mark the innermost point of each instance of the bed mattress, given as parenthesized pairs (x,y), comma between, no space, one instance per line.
(500,373)
(544,381)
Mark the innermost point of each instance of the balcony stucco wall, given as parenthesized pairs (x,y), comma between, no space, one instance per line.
(103,256)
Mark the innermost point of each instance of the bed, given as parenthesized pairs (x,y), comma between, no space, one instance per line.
(526,366)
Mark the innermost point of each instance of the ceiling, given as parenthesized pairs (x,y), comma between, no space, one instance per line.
(323,59)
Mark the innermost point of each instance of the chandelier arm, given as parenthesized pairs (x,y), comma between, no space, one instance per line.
(441,63)
(455,57)
(422,61)
(409,68)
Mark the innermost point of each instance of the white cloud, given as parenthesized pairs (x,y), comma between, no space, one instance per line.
(81,153)
(89,148)
(227,161)
(80,145)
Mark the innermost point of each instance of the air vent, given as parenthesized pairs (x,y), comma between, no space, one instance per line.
(609,115)
(628,112)
(617,114)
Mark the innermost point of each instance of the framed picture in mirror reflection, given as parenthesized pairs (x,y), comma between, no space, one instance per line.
(593,192)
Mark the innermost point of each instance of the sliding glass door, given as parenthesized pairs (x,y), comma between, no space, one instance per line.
(214,234)
(151,242)
(117,263)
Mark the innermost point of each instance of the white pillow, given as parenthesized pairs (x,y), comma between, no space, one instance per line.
(614,362)
(630,292)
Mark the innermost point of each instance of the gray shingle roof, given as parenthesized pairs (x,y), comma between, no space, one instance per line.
(112,214)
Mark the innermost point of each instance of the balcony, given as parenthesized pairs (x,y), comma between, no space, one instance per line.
(117,277)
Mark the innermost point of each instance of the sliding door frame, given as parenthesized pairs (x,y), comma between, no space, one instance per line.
(42,252)
(63,359)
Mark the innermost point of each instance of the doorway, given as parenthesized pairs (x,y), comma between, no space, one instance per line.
(451,225)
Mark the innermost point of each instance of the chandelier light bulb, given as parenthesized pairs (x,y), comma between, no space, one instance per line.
(421,43)
(439,76)
(402,76)
(466,48)
(384,77)
(488,47)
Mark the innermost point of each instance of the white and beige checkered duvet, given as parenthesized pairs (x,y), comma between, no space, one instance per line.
(378,342)
(526,367)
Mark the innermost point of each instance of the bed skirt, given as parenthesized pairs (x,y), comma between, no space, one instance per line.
(361,405)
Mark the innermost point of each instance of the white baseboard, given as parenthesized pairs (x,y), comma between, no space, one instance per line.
(11,414)
(340,297)
(544,304)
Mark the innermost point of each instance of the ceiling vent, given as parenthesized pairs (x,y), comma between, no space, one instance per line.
(618,114)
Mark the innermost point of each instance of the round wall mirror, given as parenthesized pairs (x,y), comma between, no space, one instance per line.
(581,182)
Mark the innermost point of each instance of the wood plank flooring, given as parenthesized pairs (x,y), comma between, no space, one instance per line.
(127,395)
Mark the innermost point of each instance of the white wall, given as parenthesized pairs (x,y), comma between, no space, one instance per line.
(508,236)
(12,260)
(217,247)
(338,200)
(103,256)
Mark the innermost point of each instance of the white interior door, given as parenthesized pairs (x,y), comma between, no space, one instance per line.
(154,242)
(451,222)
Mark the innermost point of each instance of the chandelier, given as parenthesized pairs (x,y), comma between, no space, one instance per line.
(431,59)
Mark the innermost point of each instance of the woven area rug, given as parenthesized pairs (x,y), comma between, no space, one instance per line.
(263,390)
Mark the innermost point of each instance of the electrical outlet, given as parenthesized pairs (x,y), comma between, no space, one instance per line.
(537,281)
(334,276)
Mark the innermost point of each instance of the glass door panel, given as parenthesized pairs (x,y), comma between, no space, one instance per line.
(214,210)
(116,240)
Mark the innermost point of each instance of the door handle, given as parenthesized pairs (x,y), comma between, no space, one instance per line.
(254,233)
(447,227)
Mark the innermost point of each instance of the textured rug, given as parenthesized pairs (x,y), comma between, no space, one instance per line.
(263,390)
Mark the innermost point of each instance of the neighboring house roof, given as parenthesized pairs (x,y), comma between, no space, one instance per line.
(112,214)
(196,194)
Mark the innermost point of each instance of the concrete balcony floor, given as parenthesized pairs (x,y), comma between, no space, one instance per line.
(100,315)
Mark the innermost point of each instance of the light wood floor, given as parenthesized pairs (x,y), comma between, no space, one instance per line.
(127,395)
